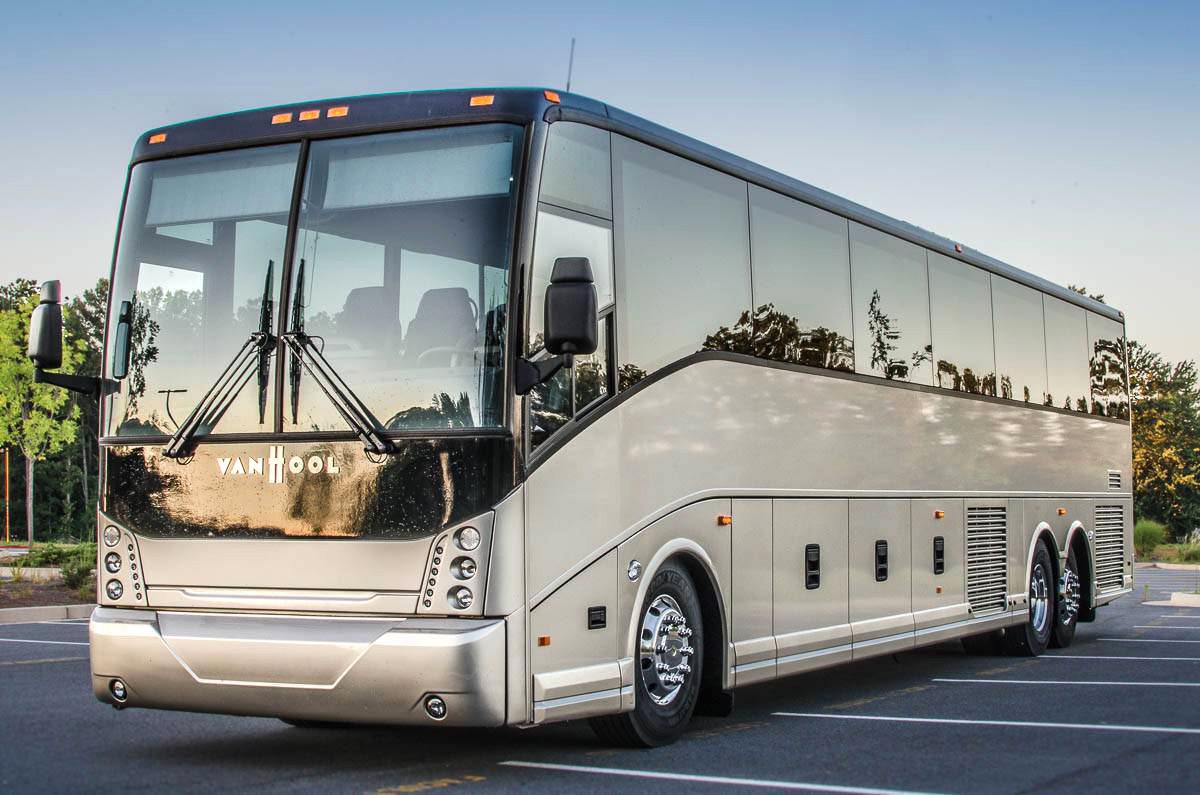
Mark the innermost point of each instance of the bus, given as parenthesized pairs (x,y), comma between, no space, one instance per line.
(500,407)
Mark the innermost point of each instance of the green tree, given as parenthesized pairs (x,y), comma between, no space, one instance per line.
(37,419)
(84,324)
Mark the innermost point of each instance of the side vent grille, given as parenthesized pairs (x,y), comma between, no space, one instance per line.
(987,559)
(1114,480)
(1110,547)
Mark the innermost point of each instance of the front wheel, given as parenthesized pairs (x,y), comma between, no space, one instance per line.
(1030,638)
(1067,608)
(670,658)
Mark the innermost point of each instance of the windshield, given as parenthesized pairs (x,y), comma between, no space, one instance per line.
(399,280)
(201,243)
(400,276)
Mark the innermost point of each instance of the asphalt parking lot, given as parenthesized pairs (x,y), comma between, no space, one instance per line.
(1118,711)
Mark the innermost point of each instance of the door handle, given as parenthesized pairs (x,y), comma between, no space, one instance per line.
(812,566)
(939,555)
(881,561)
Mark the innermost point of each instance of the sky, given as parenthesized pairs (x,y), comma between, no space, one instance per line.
(1063,139)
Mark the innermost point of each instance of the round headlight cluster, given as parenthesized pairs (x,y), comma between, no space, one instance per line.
(461,597)
(114,589)
(467,539)
(463,568)
(112,562)
(112,536)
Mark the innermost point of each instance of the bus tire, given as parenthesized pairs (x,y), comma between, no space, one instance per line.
(668,669)
(1029,639)
(1069,596)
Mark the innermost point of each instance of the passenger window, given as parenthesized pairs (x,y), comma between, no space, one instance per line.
(576,172)
(682,252)
(1066,355)
(1020,341)
(961,315)
(1108,367)
(801,261)
(891,306)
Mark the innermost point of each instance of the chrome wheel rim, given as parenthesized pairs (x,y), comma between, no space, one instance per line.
(665,650)
(1068,597)
(1039,599)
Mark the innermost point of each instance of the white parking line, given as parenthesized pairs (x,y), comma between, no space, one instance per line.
(1100,727)
(1161,626)
(1147,640)
(1180,615)
(1065,682)
(698,779)
(52,642)
(1102,657)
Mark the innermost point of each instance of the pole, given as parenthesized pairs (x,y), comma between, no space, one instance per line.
(5,495)
(570,63)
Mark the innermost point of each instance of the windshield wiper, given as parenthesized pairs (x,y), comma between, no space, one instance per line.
(360,419)
(255,354)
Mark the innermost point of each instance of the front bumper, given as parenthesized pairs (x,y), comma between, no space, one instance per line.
(358,670)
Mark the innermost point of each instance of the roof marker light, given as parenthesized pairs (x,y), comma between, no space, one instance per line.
(482,100)
(158,138)
(309,115)
(552,95)
(340,110)
(958,247)
(281,118)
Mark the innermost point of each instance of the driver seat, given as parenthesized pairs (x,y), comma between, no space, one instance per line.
(446,318)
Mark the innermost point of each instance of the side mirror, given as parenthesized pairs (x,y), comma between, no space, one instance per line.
(46,329)
(120,363)
(571,308)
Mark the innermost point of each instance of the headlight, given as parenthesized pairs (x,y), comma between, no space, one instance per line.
(461,597)
(114,589)
(112,536)
(112,562)
(463,568)
(467,539)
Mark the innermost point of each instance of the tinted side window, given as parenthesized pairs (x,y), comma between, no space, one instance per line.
(1020,340)
(1069,383)
(801,260)
(576,171)
(1108,367)
(682,256)
(960,299)
(891,306)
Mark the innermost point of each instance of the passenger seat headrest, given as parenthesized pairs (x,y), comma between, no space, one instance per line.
(571,269)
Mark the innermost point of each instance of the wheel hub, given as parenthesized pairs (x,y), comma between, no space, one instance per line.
(1039,599)
(1068,596)
(665,649)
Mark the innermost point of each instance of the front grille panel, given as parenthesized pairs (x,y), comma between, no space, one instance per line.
(1110,547)
(987,559)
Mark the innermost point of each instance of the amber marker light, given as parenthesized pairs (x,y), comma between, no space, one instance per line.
(543,640)
(482,100)
(281,118)
(939,514)
(158,138)
(340,110)
(724,520)
(1062,511)
(552,96)
(309,115)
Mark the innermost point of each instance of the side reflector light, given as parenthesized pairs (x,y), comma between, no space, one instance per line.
(552,96)
(939,514)
(158,138)
(281,118)
(341,110)
(1062,511)
(724,520)
(309,115)
(543,640)
(482,100)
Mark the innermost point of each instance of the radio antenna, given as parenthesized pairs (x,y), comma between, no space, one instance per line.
(570,63)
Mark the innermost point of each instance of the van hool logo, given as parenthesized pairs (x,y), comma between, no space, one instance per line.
(276,464)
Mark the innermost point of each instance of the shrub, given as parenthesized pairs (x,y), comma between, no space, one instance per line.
(49,555)
(76,570)
(1147,535)
(1189,553)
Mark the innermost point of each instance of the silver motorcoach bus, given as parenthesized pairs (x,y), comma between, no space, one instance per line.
(503,407)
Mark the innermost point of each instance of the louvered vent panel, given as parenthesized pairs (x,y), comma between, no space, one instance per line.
(1110,547)
(987,559)
(1114,480)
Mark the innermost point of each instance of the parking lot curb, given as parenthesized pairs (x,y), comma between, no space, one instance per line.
(25,615)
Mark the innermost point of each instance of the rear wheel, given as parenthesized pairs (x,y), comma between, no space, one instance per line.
(1067,607)
(670,659)
(1030,638)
